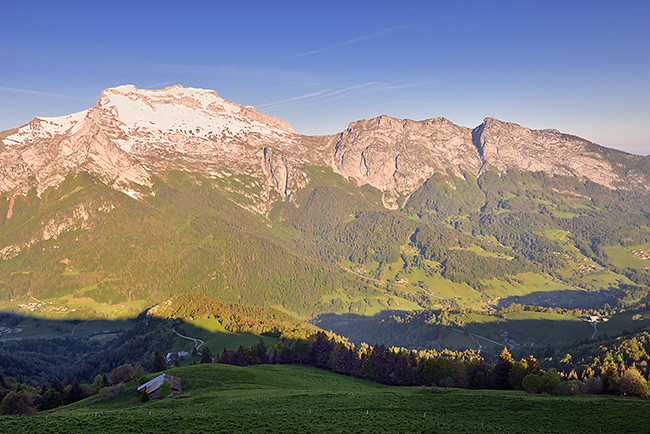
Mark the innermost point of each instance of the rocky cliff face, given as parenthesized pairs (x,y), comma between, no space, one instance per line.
(505,146)
(397,156)
(131,133)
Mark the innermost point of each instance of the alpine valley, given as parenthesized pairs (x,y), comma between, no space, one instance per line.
(419,234)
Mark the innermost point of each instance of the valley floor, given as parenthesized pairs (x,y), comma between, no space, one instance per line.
(271,398)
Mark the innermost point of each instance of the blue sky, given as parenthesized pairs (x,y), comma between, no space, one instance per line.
(582,67)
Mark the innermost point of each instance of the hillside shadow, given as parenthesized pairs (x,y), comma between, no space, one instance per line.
(34,350)
(565,299)
(20,326)
(520,330)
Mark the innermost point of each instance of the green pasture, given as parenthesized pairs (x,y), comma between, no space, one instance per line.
(267,398)
(43,328)
(215,337)
(622,257)
(625,321)
(541,328)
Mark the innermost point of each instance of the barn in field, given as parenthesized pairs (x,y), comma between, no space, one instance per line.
(152,386)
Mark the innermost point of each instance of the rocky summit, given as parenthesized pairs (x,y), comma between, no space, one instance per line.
(132,133)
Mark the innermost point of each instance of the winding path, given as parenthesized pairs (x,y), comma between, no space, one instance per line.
(595,330)
(75,327)
(474,335)
(198,343)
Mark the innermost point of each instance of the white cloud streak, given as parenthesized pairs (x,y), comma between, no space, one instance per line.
(330,94)
(157,85)
(38,93)
(383,32)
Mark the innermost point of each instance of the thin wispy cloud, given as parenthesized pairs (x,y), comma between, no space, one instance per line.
(39,93)
(332,94)
(157,85)
(294,99)
(323,94)
(384,32)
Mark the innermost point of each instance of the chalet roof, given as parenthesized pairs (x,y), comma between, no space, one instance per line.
(154,384)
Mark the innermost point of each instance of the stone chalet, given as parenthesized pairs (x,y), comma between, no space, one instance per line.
(152,386)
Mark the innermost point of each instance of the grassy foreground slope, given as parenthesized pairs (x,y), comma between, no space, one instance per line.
(271,398)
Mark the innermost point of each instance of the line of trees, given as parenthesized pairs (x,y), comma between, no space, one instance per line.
(19,398)
(397,366)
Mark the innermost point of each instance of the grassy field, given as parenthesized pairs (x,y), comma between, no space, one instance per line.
(215,337)
(540,328)
(623,257)
(40,328)
(267,398)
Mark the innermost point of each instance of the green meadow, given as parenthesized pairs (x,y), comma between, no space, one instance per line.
(215,336)
(270,398)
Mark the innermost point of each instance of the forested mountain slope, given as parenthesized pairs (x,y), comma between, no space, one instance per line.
(150,194)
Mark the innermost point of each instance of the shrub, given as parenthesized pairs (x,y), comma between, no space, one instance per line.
(633,384)
(121,374)
(165,389)
(593,386)
(551,381)
(447,382)
(572,387)
(17,402)
(532,383)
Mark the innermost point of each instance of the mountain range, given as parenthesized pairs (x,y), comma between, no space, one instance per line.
(152,193)
(131,134)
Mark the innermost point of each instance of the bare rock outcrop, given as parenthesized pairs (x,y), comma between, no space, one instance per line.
(397,156)
(505,146)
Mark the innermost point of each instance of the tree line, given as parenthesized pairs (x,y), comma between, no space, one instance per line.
(466,369)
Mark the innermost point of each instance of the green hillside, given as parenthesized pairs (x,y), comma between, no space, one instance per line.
(83,250)
(38,349)
(270,398)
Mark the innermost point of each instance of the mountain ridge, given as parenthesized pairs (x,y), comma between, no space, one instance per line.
(388,214)
(131,134)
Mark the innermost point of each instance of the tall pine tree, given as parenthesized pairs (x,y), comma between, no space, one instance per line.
(159,363)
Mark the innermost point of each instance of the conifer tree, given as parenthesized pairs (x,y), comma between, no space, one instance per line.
(206,355)
(56,385)
(260,351)
(502,370)
(610,379)
(76,393)
(532,367)
(159,363)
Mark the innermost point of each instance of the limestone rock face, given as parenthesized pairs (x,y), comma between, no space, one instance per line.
(397,156)
(131,134)
(506,146)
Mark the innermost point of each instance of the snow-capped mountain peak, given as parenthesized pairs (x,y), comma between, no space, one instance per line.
(131,132)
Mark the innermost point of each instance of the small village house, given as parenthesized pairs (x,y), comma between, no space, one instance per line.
(152,386)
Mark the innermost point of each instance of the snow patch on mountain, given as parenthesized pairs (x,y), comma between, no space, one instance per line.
(193,112)
(46,128)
